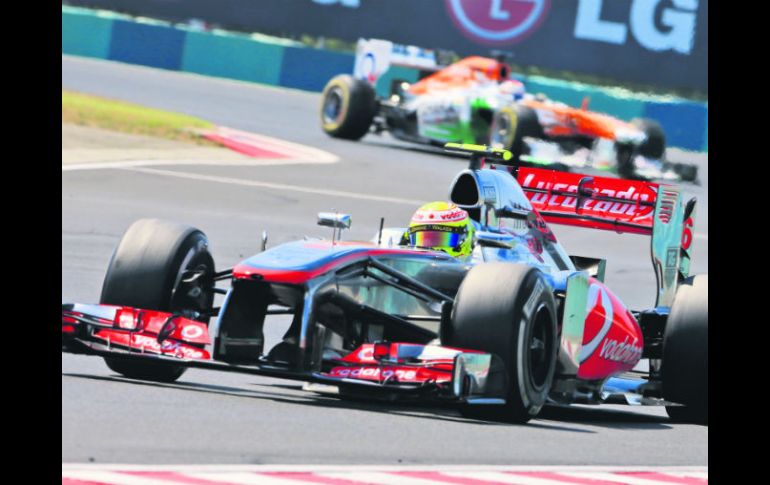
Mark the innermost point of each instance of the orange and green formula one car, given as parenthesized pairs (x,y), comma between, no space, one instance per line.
(475,100)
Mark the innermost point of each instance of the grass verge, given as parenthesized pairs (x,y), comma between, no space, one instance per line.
(109,114)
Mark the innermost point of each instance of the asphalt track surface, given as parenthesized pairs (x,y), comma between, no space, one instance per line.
(208,417)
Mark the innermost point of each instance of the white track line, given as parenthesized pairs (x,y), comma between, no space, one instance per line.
(269,185)
(256,162)
(702,475)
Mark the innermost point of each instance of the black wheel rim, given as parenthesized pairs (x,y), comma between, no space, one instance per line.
(332,105)
(193,294)
(539,348)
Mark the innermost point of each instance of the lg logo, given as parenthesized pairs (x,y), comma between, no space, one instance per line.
(679,21)
(506,22)
(497,21)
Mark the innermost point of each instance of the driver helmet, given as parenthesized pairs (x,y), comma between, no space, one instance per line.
(442,226)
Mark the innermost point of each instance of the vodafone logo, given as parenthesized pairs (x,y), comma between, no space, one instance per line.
(453,214)
(374,373)
(497,21)
(366,354)
(192,332)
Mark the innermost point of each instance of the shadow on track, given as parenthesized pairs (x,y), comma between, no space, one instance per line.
(433,411)
(599,416)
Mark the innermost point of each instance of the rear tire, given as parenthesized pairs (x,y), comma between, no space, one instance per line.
(655,145)
(508,310)
(510,125)
(624,161)
(348,106)
(446,279)
(146,272)
(685,353)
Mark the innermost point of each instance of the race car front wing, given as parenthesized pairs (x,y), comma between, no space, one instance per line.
(392,369)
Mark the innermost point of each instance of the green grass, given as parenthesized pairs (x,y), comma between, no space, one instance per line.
(108,114)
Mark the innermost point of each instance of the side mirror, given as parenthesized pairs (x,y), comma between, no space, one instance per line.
(492,242)
(511,212)
(335,220)
(595,267)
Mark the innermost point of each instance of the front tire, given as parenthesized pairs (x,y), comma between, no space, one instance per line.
(685,353)
(508,310)
(348,106)
(146,271)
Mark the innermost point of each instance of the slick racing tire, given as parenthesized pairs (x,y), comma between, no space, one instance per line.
(655,145)
(446,279)
(146,271)
(510,125)
(685,352)
(508,310)
(624,161)
(348,106)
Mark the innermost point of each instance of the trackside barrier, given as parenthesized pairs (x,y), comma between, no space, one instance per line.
(84,33)
(232,56)
(311,69)
(680,120)
(107,35)
(153,45)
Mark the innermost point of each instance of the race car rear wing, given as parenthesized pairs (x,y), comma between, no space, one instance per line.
(623,206)
(593,202)
(375,56)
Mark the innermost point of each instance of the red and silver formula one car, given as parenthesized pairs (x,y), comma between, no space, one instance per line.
(519,324)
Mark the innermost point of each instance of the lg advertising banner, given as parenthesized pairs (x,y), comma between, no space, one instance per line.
(658,42)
